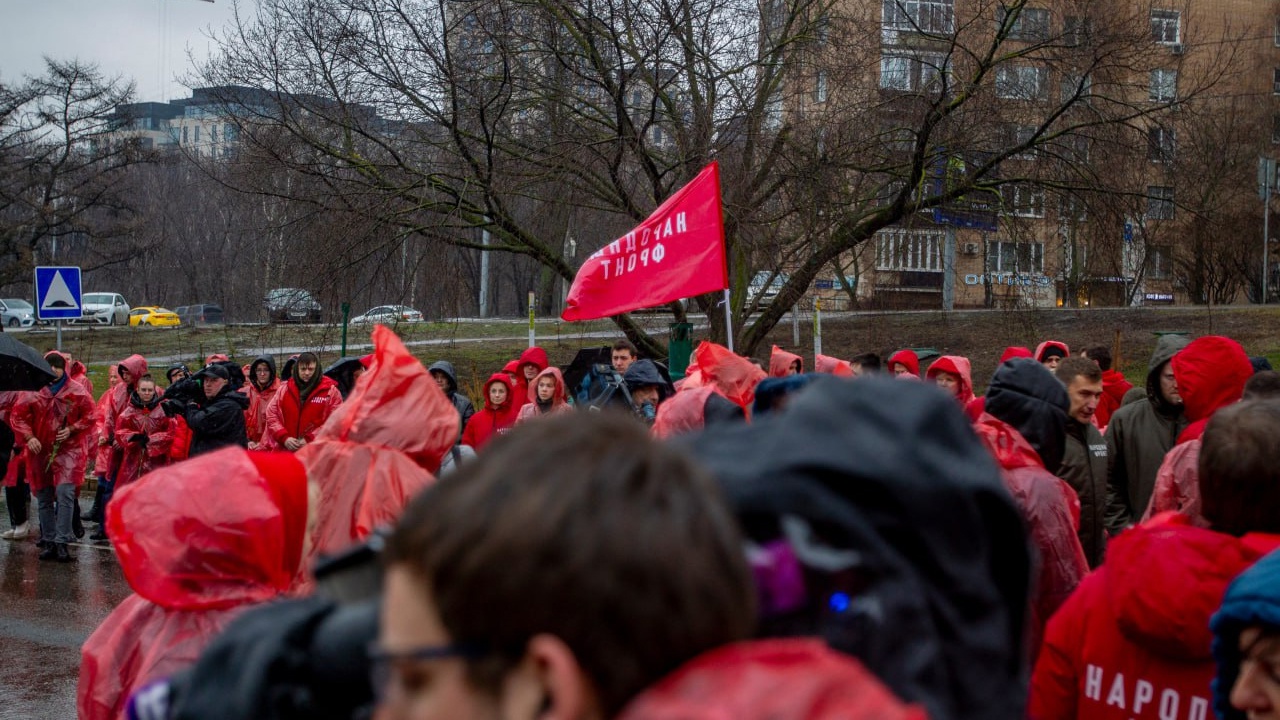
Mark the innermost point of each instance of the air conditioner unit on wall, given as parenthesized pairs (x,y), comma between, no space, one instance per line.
(1176,48)
(970,248)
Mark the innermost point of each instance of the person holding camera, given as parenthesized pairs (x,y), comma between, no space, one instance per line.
(216,419)
(648,389)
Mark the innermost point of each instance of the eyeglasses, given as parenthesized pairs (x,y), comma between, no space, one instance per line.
(381,661)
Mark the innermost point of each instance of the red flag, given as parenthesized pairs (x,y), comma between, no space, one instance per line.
(678,252)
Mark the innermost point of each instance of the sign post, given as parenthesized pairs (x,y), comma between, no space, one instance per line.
(817,330)
(1266,186)
(532,340)
(58,295)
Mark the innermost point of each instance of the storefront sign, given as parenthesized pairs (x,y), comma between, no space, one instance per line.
(1009,279)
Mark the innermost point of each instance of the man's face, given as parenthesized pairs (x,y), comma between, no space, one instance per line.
(1257,688)
(1051,362)
(305,371)
(436,689)
(646,394)
(213,385)
(1169,385)
(856,369)
(441,379)
(900,369)
(126,377)
(175,376)
(530,371)
(622,360)
(57,372)
(497,393)
(147,391)
(794,368)
(1084,398)
(262,373)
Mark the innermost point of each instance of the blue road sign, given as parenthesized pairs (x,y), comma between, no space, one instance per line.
(58,293)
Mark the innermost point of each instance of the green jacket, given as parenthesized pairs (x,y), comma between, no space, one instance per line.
(1138,437)
(1084,467)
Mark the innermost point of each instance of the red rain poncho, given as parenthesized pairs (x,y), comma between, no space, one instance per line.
(732,375)
(138,459)
(102,453)
(289,417)
(832,366)
(198,542)
(1052,512)
(535,356)
(559,399)
(958,366)
(683,412)
(41,415)
(379,448)
(492,420)
(770,680)
(780,362)
(117,400)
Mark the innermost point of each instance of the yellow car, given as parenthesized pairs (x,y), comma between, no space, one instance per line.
(154,317)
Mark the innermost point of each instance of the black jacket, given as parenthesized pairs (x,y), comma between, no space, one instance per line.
(461,402)
(1026,395)
(915,557)
(1084,467)
(218,422)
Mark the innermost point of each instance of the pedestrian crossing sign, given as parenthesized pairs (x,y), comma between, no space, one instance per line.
(58,293)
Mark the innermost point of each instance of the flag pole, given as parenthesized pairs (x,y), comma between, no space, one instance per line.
(728,320)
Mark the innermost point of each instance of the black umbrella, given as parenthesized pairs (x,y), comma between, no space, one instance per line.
(22,367)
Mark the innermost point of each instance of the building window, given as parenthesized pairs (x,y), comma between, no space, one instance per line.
(1277,32)
(1275,81)
(913,250)
(912,72)
(1031,24)
(1159,262)
(1275,128)
(1165,26)
(1164,85)
(1076,31)
(1019,135)
(1072,208)
(228,132)
(185,139)
(1021,82)
(1076,88)
(197,135)
(934,17)
(820,87)
(1160,144)
(1015,257)
(1023,200)
(1159,202)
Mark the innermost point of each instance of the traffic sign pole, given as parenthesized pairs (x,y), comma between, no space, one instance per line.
(58,323)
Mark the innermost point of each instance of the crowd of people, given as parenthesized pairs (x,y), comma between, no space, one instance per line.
(750,541)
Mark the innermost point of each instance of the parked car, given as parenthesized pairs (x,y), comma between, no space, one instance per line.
(762,291)
(15,313)
(388,315)
(203,314)
(153,316)
(103,308)
(291,305)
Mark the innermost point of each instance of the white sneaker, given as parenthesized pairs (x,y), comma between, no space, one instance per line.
(19,533)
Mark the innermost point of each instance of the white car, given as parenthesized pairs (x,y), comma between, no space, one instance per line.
(103,308)
(15,313)
(388,315)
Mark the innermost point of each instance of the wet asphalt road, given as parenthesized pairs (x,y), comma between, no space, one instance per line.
(47,610)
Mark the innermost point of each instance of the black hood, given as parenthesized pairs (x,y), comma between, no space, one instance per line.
(914,556)
(1024,394)
(643,373)
(343,372)
(1166,347)
(253,370)
(446,367)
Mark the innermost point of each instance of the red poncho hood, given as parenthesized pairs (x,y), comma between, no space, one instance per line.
(769,680)
(137,367)
(1211,372)
(780,362)
(732,375)
(906,357)
(213,532)
(534,355)
(958,366)
(1066,352)
(505,380)
(832,366)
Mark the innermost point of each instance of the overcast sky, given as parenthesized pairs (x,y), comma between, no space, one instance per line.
(123,37)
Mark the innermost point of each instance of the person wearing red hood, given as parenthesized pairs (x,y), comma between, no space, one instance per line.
(51,424)
(496,417)
(466,577)
(193,566)
(783,363)
(1050,352)
(1134,640)
(379,449)
(144,433)
(732,375)
(693,409)
(832,366)
(302,405)
(951,373)
(116,399)
(17,494)
(532,361)
(261,388)
(1114,386)
(904,364)
(1024,428)
(1212,373)
(546,396)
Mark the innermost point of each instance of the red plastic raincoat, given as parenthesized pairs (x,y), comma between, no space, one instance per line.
(102,454)
(1114,386)
(1066,351)
(138,459)
(194,565)
(492,420)
(770,680)
(380,448)
(117,399)
(683,412)
(1052,512)
(732,375)
(559,401)
(832,366)
(255,418)
(41,415)
(780,362)
(1133,642)
(958,366)
(9,400)
(535,356)
(289,417)
(180,447)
